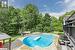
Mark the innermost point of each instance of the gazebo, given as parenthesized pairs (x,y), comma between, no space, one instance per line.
(4,37)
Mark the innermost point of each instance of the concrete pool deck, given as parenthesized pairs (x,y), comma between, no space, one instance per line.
(53,46)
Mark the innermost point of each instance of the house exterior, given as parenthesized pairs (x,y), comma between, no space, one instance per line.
(4,3)
(69,28)
(4,6)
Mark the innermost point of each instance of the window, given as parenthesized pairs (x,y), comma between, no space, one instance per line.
(3,3)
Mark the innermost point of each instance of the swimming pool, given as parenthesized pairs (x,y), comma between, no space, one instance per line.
(42,40)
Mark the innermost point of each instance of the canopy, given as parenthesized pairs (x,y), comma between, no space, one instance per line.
(4,36)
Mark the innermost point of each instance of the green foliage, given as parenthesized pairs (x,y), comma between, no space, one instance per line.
(30,16)
(70,13)
(57,24)
(0,4)
(9,22)
(46,23)
(28,19)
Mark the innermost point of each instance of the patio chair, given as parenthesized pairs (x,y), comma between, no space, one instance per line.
(1,45)
(62,43)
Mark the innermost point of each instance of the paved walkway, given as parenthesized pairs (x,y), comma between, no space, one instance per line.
(16,44)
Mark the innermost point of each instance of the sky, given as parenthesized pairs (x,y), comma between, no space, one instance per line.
(53,7)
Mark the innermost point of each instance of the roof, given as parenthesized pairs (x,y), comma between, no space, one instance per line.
(66,17)
(69,17)
(4,36)
(72,17)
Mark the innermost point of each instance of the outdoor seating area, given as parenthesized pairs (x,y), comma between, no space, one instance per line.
(4,37)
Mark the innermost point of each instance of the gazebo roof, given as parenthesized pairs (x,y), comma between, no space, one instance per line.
(4,36)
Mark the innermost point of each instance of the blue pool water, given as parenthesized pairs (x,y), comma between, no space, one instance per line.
(42,40)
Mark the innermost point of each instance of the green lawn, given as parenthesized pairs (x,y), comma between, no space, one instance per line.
(13,38)
(59,33)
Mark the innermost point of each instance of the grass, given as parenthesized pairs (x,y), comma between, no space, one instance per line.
(13,38)
(59,33)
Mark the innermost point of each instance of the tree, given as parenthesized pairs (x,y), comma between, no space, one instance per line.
(47,26)
(10,21)
(39,26)
(30,14)
(16,20)
(0,4)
